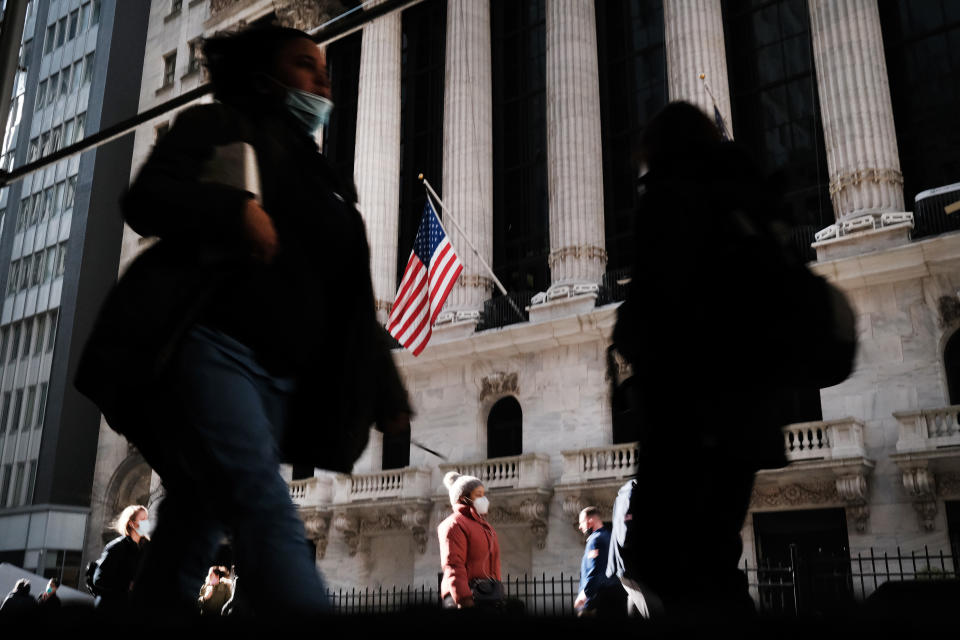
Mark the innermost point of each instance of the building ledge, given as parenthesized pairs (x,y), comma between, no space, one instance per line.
(918,259)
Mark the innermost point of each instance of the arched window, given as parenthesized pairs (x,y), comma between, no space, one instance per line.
(505,429)
(396,451)
(951,363)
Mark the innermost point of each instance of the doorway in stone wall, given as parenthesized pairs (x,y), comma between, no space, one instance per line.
(953,530)
(815,543)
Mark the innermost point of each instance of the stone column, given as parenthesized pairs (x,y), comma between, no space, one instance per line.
(861,144)
(468,149)
(574,157)
(695,45)
(376,166)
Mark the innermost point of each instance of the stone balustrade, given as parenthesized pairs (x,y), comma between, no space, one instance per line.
(406,483)
(928,429)
(311,492)
(530,470)
(824,440)
(600,463)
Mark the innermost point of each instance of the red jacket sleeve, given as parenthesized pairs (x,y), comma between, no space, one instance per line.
(453,556)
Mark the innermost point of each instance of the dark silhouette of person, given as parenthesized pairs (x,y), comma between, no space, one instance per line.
(720,319)
(247,335)
(49,600)
(19,603)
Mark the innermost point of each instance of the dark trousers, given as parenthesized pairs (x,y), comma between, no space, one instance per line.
(221,474)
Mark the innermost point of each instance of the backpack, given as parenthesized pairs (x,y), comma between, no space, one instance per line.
(91,570)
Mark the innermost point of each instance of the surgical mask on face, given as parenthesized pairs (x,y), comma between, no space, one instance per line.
(145,528)
(482,505)
(311,110)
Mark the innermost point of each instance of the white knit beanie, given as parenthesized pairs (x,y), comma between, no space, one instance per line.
(460,486)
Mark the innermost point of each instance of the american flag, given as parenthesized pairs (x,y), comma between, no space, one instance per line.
(431,271)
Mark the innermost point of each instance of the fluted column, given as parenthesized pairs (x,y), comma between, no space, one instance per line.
(574,156)
(855,105)
(695,45)
(376,166)
(468,147)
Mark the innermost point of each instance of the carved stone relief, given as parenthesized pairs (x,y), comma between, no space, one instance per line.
(922,487)
(306,14)
(530,511)
(499,384)
(793,495)
(317,525)
(357,528)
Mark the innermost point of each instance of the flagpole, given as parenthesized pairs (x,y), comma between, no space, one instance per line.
(453,219)
(713,99)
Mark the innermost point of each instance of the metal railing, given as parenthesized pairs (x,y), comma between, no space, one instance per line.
(497,312)
(929,217)
(614,286)
(799,586)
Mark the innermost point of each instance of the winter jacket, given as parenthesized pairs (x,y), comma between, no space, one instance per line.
(468,549)
(116,570)
(309,314)
(17,604)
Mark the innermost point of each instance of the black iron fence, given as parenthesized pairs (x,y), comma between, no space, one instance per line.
(812,585)
(614,286)
(801,585)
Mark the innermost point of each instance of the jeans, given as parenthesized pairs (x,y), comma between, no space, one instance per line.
(221,474)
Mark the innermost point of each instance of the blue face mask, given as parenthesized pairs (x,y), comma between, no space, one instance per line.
(311,110)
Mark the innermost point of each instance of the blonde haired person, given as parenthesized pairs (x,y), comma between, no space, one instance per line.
(117,566)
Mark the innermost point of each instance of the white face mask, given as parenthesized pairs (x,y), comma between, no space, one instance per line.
(145,528)
(482,505)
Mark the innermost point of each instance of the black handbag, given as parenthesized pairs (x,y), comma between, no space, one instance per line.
(487,592)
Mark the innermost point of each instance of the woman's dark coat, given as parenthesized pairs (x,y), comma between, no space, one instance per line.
(308,315)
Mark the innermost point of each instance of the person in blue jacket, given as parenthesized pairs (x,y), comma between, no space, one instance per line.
(600,595)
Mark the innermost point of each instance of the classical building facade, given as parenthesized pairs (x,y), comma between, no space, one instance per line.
(522,115)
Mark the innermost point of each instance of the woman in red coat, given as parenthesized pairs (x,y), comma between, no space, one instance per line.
(469,550)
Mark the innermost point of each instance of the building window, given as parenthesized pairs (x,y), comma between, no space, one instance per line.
(17,405)
(48,207)
(776,110)
(16,499)
(76,76)
(633,88)
(16,340)
(28,324)
(84,16)
(421,116)
(52,330)
(52,92)
(175,6)
(44,144)
(396,451)
(12,278)
(61,31)
(56,138)
(81,122)
(69,131)
(74,23)
(33,151)
(70,193)
(49,262)
(49,38)
(28,410)
(65,81)
(951,365)
(88,69)
(61,259)
(521,240)
(31,481)
(195,55)
(41,95)
(42,405)
(169,69)
(921,40)
(7,398)
(95,18)
(505,429)
(5,486)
